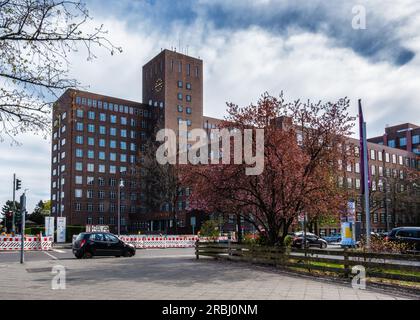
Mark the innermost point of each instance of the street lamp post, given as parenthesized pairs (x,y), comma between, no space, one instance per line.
(120,185)
(23,217)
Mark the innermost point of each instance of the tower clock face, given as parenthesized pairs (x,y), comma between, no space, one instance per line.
(159,85)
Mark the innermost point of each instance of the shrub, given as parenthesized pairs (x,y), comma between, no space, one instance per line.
(210,229)
(262,239)
(250,239)
(380,245)
(288,240)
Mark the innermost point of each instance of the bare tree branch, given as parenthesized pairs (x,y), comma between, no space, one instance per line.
(36,39)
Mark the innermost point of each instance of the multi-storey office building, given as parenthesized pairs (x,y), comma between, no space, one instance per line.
(96,143)
(99,141)
(404,136)
(394,199)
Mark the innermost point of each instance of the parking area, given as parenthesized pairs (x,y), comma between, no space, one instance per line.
(159,274)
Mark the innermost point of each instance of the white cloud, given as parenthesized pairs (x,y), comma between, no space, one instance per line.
(31,162)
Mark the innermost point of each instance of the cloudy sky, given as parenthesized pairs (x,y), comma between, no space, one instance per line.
(308,49)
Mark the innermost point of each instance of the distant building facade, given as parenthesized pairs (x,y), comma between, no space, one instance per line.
(404,136)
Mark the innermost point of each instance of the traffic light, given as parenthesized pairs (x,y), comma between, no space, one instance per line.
(18,184)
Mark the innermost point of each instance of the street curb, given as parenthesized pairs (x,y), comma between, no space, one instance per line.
(62,246)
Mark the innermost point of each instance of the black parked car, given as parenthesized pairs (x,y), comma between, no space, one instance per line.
(89,244)
(406,235)
(311,241)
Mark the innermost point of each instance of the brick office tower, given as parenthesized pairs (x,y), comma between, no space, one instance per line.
(175,80)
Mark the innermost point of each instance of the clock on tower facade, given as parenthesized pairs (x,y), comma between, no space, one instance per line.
(173,83)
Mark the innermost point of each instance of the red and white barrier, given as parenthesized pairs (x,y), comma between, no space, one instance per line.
(160,242)
(31,243)
(217,239)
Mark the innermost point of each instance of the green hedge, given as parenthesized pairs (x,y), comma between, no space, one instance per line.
(70,231)
(34,230)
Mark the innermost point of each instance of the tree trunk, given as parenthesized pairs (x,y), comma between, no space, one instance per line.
(274,237)
(238,223)
(310,227)
(175,220)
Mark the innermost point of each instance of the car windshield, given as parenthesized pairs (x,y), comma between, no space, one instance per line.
(97,237)
(111,238)
(80,236)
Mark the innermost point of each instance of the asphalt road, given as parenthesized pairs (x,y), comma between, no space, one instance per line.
(67,254)
(9,257)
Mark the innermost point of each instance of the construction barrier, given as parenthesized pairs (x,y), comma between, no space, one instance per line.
(160,242)
(32,243)
(217,239)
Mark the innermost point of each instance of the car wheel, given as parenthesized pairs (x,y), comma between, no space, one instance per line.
(128,254)
(87,255)
(78,256)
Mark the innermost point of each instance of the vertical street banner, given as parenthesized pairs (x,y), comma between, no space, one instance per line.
(347,234)
(351,211)
(193,224)
(61,229)
(49,226)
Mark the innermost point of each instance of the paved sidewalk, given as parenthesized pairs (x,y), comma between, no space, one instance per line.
(166,275)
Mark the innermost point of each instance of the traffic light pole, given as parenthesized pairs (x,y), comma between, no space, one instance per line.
(22,212)
(14,202)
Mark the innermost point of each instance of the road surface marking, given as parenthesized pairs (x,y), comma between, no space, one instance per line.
(50,255)
(58,251)
(169,256)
